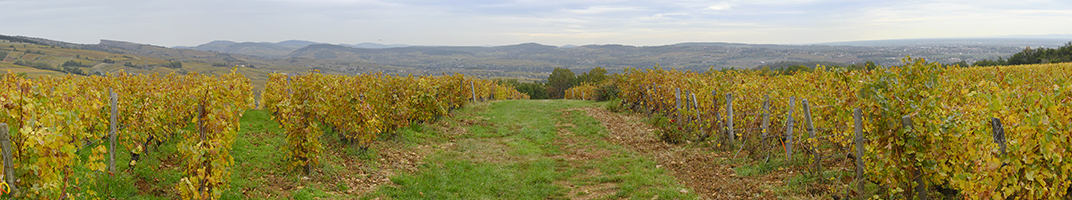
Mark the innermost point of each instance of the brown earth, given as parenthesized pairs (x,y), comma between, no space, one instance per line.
(578,155)
(693,166)
(364,176)
(703,170)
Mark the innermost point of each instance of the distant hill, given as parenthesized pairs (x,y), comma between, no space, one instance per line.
(263,49)
(218,45)
(1017,42)
(368,45)
(272,50)
(296,44)
(18,39)
(111,56)
(533,61)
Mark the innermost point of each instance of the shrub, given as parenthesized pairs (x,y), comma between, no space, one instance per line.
(173,64)
(607,92)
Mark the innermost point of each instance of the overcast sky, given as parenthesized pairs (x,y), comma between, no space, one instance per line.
(487,22)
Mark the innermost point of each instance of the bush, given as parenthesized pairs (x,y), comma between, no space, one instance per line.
(668,132)
(68,67)
(615,106)
(607,92)
(72,63)
(173,64)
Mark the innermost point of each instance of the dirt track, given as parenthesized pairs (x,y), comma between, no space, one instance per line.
(692,166)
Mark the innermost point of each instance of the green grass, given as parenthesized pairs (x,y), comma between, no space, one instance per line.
(477,169)
(636,175)
(511,150)
(458,179)
(309,193)
(526,169)
(259,149)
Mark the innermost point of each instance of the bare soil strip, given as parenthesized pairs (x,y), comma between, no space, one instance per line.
(693,166)
(365,176)
(578,154)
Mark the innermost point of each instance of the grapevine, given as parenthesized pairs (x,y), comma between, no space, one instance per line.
(949,141)
(363,107)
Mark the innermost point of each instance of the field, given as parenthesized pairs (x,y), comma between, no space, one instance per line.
(915,130)
(516,149)
(381,136)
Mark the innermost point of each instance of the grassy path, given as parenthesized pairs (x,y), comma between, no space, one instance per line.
(533,149)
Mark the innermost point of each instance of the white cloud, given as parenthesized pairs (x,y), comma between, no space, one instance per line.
(670,15)
(603,10)
(721,6)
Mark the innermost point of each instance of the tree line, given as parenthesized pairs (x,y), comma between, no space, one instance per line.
(1033,56)
(1027,56)
(558,82)
(562,79)
(67,67)
(792,67)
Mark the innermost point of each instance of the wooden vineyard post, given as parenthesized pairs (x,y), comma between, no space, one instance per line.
(677,107)
(917,173)
(813,144)
(729,116)
(114,123)
(9,167)
(765,126)
(472,88)
(999,134)
(633,102)
(699,118)
(686,118)
(658,104)
(650,103)
(714,109)
(642,100)
(858,141)
(789,130)
(655,100)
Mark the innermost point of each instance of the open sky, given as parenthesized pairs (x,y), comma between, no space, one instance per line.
(495,22)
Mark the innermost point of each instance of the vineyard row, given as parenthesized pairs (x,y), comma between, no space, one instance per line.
(52,123)
(923,124)
(363,107)
(52,119)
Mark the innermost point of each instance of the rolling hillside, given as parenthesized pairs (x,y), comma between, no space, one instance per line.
(526,62)
(113,57)
(535,61)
